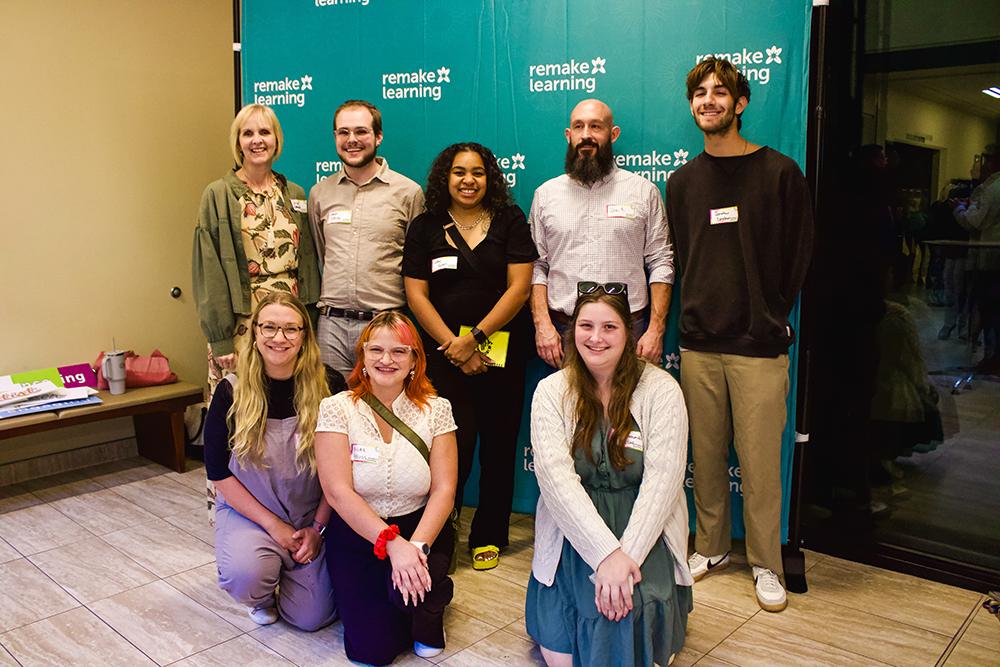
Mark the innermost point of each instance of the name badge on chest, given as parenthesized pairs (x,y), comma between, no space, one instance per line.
(634,441)
(722,216)
(338,218)
(299,205)
(621,211)
(439,263)
(364,454)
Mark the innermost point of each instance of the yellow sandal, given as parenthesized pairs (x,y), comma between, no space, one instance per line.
(490,557)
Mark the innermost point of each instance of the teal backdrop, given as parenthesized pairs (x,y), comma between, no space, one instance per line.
(507,75)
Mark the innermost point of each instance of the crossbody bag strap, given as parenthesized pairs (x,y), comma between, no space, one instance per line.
(397,423)
(470,256)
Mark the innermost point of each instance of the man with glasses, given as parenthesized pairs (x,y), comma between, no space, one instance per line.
(741,222)
(598,223)
(359,218)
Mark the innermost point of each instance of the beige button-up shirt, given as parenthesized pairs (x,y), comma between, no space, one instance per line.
(359,232)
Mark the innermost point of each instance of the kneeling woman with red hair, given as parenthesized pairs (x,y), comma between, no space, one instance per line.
(388,464)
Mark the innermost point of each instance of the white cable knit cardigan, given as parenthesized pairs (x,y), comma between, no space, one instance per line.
(565,509)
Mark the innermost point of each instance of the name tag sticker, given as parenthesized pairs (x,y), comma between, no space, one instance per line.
(364,454)
(634,441)
(299,205)
(338,218)
(439,263)
(621,211)
(721,216)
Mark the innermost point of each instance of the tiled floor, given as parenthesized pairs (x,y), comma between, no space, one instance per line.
(113,565)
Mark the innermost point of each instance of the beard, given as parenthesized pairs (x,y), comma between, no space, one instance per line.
(361,161)
(589,169)
(722,127)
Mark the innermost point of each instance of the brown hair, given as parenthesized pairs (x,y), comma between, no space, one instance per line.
(583,387)
(728,76)
(376,114)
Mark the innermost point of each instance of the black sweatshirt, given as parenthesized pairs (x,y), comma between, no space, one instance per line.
(739,277)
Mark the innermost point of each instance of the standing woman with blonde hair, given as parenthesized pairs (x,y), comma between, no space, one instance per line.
(270,513)
(252,238)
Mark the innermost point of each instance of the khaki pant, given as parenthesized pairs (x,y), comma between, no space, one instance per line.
(743,398)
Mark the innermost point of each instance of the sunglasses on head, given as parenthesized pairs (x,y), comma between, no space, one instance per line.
(587,287)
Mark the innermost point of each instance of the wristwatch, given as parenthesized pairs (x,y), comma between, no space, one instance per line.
(479,335)
(319,528)
(422,546)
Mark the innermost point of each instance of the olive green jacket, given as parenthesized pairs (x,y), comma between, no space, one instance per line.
(220,274)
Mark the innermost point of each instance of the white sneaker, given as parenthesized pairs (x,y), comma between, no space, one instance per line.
(770,593)
(425,651)
(263,615)
(702,565)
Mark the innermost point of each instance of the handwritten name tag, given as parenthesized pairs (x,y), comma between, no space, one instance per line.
(299,205)
(439,263)
(338,218)
(722,216)
(634,441)
(364,454)
(621,211)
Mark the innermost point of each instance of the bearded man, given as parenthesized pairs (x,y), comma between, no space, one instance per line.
(359,217)
(600,224)
(741,221)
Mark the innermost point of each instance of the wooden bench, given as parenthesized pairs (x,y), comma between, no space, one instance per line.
(157,413)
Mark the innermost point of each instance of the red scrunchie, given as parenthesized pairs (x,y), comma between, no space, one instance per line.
(385,536)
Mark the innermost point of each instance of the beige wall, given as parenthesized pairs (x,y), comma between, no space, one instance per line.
(959,136)
(114,117)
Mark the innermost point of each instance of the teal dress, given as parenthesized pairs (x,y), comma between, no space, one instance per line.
(564,618)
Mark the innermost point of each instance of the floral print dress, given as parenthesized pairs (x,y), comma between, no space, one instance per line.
(271,244)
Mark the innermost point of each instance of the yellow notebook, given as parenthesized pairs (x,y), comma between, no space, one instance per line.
(495,346)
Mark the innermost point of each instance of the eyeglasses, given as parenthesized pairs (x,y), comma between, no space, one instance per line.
(587,287)
(397,353)
(269,330)
(358,132)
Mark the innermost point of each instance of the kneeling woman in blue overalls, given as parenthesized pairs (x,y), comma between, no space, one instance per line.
(259,451)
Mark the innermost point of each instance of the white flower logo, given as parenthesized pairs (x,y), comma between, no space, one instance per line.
(307,82)
(518,161)
(598,64)
(672,361)
(774,55)
(443,73)
(680,157)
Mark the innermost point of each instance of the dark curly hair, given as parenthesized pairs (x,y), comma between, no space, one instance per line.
(438,199)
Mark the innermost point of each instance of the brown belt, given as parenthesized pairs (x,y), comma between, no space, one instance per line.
(563,319)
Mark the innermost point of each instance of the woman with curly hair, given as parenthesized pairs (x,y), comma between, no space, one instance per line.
(270,513)
(467,268)
(252,238)
(386,455)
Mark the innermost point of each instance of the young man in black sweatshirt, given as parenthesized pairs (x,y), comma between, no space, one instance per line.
(740,219)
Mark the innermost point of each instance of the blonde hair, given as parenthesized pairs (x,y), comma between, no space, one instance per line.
(248,415)
(265,114)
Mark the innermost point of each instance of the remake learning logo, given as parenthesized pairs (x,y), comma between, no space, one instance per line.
(570,75)
(658,166)
(415,85)
(754,65)
(282,91)
(509,167)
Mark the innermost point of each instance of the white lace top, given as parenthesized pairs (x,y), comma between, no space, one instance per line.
(392,477)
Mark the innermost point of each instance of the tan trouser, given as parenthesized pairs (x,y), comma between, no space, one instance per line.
(743,398)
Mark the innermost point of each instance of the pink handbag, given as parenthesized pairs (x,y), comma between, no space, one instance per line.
(140,371)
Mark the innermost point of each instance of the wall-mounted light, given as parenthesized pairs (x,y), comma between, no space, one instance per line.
(993,92)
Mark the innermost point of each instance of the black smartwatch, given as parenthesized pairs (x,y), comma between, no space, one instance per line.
(478,334)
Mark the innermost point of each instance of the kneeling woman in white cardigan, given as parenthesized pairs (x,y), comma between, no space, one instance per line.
(610,582)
